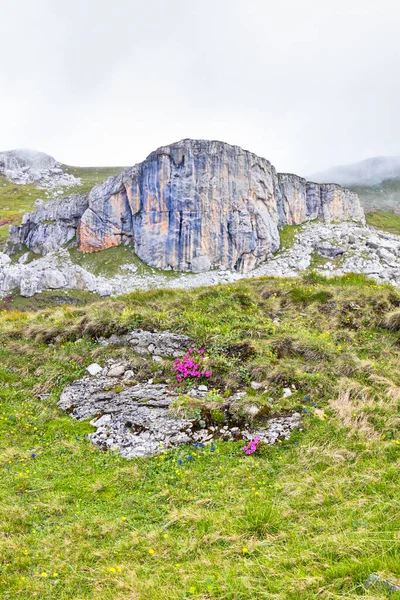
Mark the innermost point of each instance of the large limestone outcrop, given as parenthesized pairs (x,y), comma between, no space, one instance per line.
(29,166)
(192,206)
(189,206)
(50,226)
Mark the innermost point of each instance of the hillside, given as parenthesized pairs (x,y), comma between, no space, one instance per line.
(376,181)
(382,197)
(309,517)
(16,200)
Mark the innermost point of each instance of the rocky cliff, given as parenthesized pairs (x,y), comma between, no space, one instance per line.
(29,166)
(189,206)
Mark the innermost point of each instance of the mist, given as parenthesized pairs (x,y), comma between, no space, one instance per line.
(307,85)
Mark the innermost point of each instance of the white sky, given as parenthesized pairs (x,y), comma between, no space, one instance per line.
(307,84)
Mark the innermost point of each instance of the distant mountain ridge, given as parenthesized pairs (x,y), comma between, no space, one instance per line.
(372,171)
(376,180)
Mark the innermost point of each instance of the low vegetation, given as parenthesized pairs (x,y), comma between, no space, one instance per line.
(311,517)
(386,221)
(287,236)
(381,197)
(108,262)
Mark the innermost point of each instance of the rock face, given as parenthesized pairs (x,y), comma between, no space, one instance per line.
(50,226)
(29,166)
(192,206)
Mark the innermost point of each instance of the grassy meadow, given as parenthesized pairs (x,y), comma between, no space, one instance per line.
(311,517)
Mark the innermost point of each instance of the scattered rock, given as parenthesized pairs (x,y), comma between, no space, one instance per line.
(4,259)
(374,580)
(328,250)
(138,421)
(31,278)
(159,344)
(94,369)
(255,385)
(116,371)
(28,166)
(287,392)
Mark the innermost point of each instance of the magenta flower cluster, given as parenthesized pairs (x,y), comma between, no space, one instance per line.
(252,447)
(188,367)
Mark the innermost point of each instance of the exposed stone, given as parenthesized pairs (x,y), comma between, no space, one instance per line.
(190,206)
(4,259)
(29,166)
(94,369)
(137,421)
(387,256)
(52,225)
(161,343)
(116,371)
(255,385)
(375,580)
(358,257)
(328,250)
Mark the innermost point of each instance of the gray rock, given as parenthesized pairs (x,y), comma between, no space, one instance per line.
(190,206)
(162,343)
(4,259)
(116,371)
(50,226)
(94,369)
(137,420)
(24,258)
(255,385)
(387,256)
(328,250)
(29,166)
(375,580)
(200,263)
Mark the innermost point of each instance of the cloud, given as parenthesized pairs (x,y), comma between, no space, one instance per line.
(305,84)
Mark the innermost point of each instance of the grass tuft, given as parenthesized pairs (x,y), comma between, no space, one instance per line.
(311,517)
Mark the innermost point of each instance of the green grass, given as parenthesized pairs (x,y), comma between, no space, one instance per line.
(308,518)
(91,176)
(382,197)
(108,262)
(386,221)
(16,200)
(287,236)
(46,300)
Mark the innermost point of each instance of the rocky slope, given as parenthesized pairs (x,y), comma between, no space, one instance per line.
(190,206)
(29,166)
(333,249)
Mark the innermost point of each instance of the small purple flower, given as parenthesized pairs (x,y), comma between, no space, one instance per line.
(252,447)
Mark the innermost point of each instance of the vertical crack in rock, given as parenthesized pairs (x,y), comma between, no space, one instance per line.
(191,206)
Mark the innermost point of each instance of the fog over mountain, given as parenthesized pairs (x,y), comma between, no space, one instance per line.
(371,171)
